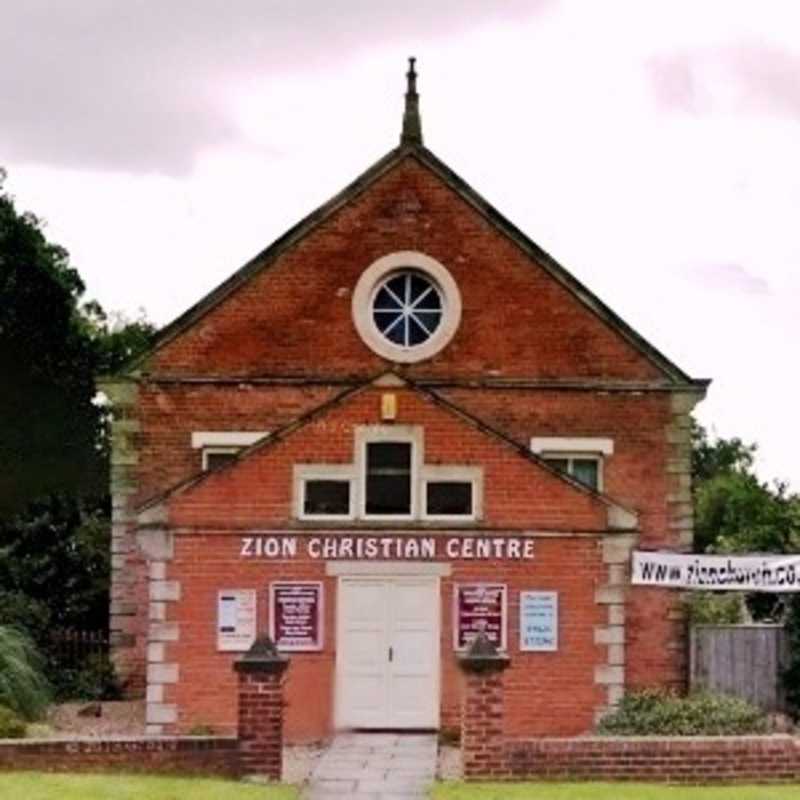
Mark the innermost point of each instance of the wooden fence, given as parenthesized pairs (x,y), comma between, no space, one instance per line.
(743,660)
(72,647)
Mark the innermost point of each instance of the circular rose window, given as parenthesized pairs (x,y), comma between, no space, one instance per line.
(406,306)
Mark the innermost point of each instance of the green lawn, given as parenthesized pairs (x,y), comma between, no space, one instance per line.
(51,786)
(608,791)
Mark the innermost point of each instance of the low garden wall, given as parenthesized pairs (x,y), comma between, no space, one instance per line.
(488,754)
(184,755)
(256,750)
(735,759)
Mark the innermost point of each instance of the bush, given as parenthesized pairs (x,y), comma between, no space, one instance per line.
(94,679)
(23,686)
(715,608)
(656,712)
(11,726)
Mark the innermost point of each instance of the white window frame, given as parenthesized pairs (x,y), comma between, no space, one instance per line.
(367,286)
(356,474)
(323,472)
(577,447)
(223,442)
(207,451)
(401,434)
(454,474)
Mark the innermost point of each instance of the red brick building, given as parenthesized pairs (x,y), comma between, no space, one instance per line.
(400,424)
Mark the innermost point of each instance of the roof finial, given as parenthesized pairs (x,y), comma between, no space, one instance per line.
(412,124)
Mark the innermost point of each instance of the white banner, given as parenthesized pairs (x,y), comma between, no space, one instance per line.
(737,573)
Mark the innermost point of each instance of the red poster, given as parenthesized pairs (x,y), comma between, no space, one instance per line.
(296,615)
(480,608)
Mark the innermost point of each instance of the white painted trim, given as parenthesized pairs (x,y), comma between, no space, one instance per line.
(465,474)
(207,451)
(570,457)
(226,438)
(381,569)
(413,434)
(323,472)
(364,293)
(574,445)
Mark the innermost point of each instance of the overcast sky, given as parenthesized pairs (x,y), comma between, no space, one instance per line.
(651,146)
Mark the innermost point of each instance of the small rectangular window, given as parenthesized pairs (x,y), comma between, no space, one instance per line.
(388,478)
(326,498)
(561,464)
(584,469)
(449,498)
(216,458)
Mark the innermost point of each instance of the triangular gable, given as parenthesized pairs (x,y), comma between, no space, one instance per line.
(618,517)
(426,158)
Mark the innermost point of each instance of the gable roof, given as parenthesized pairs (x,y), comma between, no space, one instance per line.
(619,516)
(416,150)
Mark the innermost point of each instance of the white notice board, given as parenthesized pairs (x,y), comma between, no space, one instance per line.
(538,621)
(236,619)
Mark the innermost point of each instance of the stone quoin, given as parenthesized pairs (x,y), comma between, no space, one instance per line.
(400,427)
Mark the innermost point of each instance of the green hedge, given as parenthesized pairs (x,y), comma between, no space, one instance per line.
(656,712)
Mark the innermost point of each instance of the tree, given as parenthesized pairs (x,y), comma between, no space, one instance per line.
(54,504)
(735,512)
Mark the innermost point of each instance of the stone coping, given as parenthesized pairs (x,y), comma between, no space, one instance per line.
(60,740)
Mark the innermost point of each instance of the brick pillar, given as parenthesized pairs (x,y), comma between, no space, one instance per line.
(482,712)
(261,672)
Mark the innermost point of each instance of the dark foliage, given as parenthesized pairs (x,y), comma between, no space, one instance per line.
(54,507)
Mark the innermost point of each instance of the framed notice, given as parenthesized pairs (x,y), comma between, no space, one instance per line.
(236,619)
(538,621)
(295,615)
(479,608)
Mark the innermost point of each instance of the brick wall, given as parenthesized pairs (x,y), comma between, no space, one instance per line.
(186,756)
(284,343)
(294,317)
(764,759)
(547,693)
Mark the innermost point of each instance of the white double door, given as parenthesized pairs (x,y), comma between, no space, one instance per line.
(387,655)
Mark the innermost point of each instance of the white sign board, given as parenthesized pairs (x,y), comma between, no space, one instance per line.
(236,619)
(538,621)
(733,573)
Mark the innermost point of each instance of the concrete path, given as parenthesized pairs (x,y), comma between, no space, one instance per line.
(375,766)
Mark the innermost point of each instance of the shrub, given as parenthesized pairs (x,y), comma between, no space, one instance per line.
(656,712)
(23,686)
(11,726)
(714,608)
(94,679)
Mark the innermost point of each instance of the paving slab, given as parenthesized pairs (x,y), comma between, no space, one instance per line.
(375,766)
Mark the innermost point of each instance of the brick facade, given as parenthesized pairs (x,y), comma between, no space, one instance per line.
(275,350)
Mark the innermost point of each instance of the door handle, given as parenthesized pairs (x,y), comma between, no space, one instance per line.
(391,653)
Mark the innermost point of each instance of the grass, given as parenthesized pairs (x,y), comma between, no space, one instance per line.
(51,786)
(608,791)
